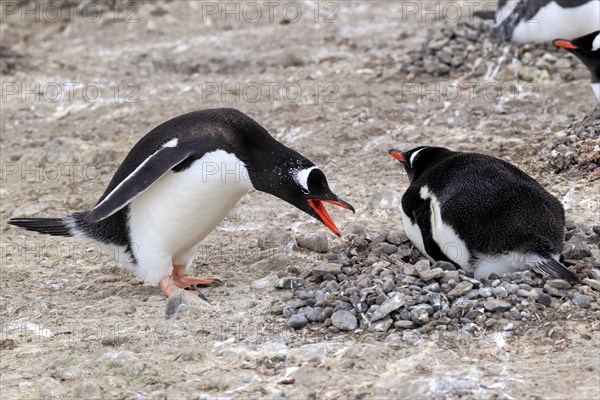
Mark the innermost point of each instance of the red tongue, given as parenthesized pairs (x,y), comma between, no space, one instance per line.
(319,208)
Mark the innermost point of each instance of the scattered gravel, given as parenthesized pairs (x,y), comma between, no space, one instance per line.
(364,289)
(465,49)
(578,146)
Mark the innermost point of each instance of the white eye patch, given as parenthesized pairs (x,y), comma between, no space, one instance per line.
(301,177)
(414,155)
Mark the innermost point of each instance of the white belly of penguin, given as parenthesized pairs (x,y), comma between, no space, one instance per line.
(554,22)
(168,220)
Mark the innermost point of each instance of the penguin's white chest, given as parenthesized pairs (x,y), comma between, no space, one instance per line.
(552,22)
(182,208)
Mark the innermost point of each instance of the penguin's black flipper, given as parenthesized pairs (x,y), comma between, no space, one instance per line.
(555,269)
(486,15)
(148,172)
(47,226)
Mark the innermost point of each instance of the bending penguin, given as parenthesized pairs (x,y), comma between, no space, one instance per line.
(480,213)
(179,182)
(587,49)
(524,21)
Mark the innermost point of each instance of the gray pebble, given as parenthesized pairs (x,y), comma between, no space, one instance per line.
(419,316)
(500,291)
(582,300)
(289,282)
(494,305)
(382,325)
(461,289)
(485,292)
(313,314)
(523,293)
(344,320)
(545,299)
(445,265)
(387,307)
(314,241)
(298,321)
(593,283)
(402,324)
(559,284)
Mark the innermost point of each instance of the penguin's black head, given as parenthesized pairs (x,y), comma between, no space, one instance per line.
(587,49)
(415,161)
(297,181)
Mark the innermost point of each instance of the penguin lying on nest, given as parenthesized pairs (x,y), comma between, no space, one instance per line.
(180,181)
(480,213)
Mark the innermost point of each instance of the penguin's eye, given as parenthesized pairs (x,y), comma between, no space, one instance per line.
(305,191)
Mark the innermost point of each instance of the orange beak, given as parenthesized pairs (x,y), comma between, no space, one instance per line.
(397,154)
(565,44)
(319,208)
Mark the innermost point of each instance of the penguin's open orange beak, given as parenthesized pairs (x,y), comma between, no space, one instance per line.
(564,44)
(397,154)
(319,208)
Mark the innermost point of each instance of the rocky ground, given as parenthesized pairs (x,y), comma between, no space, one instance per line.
(302,313)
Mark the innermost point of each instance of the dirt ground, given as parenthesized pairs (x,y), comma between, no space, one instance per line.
(328,85)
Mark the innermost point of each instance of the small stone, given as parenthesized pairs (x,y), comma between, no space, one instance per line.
(396,237)
(552,291)
(182,302)
(289,282)
(344,320)
(87,389)
(500,291)
(545,299)
(593,283)
(410,270)
(314,241)
(445,265)
(461,289)
(382,326)
(402,324)
(419,316)
(326,268)
(494,305)
(559,284)
(387,307)
(387,249)
(431,274)
(582,300)
(534,294)
(523,293)
(485,292)
(313,315)
(298,321)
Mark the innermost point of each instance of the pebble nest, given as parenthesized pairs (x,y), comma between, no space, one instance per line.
(466,49)
(579,147)
(382,283)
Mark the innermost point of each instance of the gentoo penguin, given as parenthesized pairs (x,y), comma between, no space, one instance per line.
(524,21)
(587,48)
(480,213)
(179,182)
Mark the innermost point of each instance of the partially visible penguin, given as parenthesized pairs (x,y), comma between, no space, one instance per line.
(524,21)
(587,49)
(481,213)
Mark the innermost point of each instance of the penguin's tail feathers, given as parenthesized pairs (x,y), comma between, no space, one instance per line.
(486,15)
(47,226)
(555,269)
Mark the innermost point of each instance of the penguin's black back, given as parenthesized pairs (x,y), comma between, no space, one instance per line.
(203,131)
(494,205)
